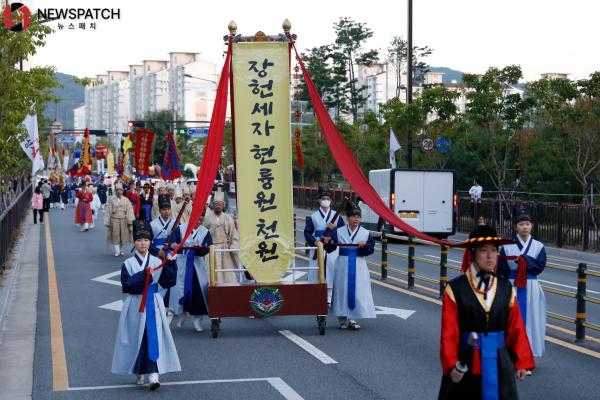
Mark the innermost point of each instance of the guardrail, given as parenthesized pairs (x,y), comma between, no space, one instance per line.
(582,299)
(10,219)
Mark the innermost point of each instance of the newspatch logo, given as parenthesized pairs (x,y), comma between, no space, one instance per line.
(16,17)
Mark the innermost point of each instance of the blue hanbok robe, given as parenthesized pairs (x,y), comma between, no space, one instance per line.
(532,302)
(161,230)
(352,296)
(138,340)
(316,224)
(190,294)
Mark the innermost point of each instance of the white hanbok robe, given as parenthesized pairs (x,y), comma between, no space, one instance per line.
(315,226)
(532,302)
(364,306)
(199,237)
(133,323)
(95,205)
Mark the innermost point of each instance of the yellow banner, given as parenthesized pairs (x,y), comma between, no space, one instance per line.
(263,150)
(110,161)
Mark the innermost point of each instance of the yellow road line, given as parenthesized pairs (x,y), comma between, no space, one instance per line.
(570,332)
(572,346)
(60,374)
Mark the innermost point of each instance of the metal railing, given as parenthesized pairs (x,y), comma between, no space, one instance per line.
(558,224)
(582,299)
(11,215)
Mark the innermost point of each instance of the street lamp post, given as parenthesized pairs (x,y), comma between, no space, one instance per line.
(409,84)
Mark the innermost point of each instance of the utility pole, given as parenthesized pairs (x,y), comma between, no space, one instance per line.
(409,85)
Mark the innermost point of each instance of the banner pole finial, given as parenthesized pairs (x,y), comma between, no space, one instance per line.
(232,27)
(287,26)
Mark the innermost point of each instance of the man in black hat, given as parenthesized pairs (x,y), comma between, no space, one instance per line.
(316,224)
(352,297)
(483,339)
(521,263)
(144,344)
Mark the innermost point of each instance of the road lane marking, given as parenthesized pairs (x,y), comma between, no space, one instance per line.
(398,312)
(574,347)
(106,278)
(114,306)
(277,383)
(308,347)
(60,373)
(568,331)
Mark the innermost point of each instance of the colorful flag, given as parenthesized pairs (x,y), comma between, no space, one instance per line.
(110,162)
(31,144)
(170,166)
(143,148)
(85,161)
(128,143)
(394,146)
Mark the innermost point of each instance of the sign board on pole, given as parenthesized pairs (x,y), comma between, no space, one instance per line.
(197,131)
(427,145)
(443,145)
(65,139)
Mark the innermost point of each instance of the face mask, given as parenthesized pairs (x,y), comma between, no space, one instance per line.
(325,203)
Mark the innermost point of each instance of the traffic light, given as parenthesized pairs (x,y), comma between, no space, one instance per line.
(136,124)
(181,131)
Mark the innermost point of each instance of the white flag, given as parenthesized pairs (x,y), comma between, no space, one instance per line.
(394,146)
(31,144)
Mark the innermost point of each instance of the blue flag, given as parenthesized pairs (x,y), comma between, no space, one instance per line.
(170,167)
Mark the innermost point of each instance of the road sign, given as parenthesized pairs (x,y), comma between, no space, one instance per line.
(197,131)
(443,145)
(427,145)
(65,139)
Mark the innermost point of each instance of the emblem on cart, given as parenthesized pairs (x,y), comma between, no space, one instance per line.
(266,301)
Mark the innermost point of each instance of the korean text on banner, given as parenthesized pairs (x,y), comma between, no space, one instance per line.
(263,157)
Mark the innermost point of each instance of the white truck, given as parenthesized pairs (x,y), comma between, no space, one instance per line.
(424,199)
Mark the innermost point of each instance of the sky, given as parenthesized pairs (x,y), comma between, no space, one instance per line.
(467,35)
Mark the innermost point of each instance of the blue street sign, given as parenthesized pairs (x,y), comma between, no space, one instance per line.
(65,139)
(443,145)
(197,131)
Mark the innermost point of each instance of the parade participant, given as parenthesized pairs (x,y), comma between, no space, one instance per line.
(171,190)
(64,195)
(102,192)
(225,236)
(483,340)
(134,197)
(161,232)
(144,344)
(190,295)
(177,203)
(37,204)
(146,202)
(161,191)
(526,260)
(96,204)
(187,196)
(316,224)
(118,220)
(352,296)
(55,194)
(83,213)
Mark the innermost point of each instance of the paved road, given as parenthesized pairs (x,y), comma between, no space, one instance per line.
(390,358)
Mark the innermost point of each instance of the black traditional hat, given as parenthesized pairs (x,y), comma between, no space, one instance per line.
(324,191)
(164,201)
(352,209)
(521,213)
(141,230)
(479,235)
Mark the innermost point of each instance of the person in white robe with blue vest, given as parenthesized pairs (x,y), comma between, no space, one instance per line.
(161,232)
(316,225)
(522,262)
(190,294)
(352,296)
(144,344)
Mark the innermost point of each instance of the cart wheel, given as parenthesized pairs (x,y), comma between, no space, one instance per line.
(214,327)
(321,323)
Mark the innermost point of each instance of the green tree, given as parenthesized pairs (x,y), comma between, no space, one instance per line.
(495,117)
(21,92)
(397,56)
(348,54)
(573,109)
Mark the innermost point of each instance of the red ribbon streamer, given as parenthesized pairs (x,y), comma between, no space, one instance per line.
(299,159)
(208,169)
(349,166)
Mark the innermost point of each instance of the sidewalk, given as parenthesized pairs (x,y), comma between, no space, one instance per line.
(18,314)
